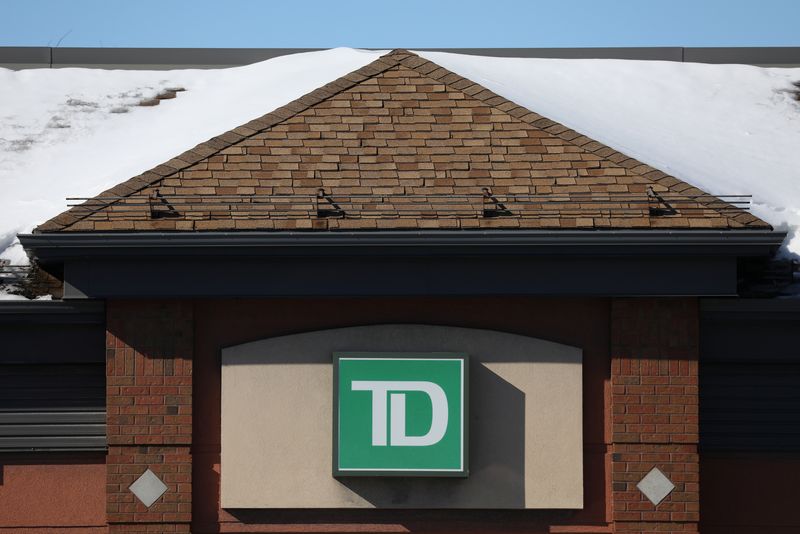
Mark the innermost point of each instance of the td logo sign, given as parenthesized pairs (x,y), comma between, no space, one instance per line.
(400,414)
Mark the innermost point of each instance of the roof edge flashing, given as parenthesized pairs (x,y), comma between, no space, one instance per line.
(751,242)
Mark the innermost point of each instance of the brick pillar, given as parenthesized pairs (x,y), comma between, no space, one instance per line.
(149,349)
(654,382)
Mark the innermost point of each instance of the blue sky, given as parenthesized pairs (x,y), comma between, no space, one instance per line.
(399,23)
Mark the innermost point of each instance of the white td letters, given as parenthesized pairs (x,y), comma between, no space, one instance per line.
(381,389)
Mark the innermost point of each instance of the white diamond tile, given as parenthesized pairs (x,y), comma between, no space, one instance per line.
(655,486)
(148,488)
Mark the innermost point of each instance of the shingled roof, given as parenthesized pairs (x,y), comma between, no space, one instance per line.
(401,143)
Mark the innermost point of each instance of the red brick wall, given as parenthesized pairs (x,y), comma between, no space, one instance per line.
(573,321)
(654,377)
(52,493)
(149,348)
(649,383)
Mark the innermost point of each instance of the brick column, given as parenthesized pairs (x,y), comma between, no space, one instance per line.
(655,412)
(149,349)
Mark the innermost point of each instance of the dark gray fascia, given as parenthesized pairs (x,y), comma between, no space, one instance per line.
(435,242)
(399,263)
(57,247)
(52,311)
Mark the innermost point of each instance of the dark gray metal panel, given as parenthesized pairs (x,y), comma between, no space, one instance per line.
(52,376)
(750,330)
(750,374)
(52,332)
(66,343)
(165,58)
(24,57)
(660,53)
(53,417)
(778,56)
(749,407)
(61,388)
(51,430)
(397,276)
(52,406)
(172,58)
(53,443)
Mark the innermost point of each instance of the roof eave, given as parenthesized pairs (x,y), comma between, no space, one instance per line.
(60,246)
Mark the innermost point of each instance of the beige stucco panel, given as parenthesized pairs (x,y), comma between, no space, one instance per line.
(526,447)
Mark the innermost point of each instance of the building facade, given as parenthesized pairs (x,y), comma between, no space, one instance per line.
(192,377)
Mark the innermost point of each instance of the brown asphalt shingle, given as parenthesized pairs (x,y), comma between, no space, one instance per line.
(401,143)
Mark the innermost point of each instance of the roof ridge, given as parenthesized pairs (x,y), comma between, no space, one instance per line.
(431,70)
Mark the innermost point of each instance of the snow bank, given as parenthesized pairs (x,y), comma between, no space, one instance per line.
(729,129)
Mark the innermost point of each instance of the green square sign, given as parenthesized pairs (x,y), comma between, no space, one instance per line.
(400,414)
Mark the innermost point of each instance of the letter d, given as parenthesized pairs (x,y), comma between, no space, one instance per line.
(439,415)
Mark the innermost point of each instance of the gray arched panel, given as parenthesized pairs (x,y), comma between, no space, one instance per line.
(525,422)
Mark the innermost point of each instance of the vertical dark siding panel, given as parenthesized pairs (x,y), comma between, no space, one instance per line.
(750,375)
(52,376)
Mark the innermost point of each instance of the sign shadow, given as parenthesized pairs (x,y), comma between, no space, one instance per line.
(496,451)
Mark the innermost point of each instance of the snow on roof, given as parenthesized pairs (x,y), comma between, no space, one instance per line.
(728,129)
(77,132)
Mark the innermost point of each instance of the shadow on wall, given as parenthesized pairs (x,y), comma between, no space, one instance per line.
(304,347)
(498,464)
(525,449)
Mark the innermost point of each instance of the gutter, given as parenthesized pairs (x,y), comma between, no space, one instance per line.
(57,247)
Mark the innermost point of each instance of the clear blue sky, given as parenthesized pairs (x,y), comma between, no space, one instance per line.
(399,23)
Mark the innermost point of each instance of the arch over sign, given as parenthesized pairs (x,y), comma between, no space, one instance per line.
(525,421)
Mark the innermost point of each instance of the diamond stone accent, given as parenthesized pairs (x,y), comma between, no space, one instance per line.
(655,486)
(148,488)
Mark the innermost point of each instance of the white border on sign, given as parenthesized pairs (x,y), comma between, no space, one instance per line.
(339,418)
